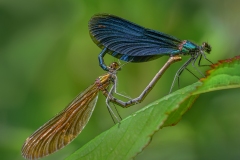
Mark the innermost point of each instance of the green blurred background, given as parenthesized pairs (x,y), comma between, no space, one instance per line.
(47,57)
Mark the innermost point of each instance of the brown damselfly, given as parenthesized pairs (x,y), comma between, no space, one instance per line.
(65,126)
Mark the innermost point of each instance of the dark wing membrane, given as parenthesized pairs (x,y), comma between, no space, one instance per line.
(126,38)
(127,58)
(63,128)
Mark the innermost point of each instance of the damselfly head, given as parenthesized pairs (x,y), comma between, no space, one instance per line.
(114,66)
(206,47)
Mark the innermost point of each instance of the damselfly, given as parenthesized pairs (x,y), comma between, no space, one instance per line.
(133,43)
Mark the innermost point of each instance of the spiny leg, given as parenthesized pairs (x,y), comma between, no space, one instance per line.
(200,59)
(179,72)
(193,64)
(115,89)
(189,72)
(107,94)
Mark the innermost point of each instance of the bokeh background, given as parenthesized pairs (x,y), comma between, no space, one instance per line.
(47,57)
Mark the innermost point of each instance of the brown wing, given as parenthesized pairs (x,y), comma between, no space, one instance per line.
(63,128)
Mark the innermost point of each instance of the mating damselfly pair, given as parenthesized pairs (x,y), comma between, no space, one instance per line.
(128,42)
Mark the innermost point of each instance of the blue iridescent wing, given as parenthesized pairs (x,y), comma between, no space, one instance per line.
(126,40)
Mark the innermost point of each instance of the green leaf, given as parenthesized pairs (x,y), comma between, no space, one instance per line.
(133,134)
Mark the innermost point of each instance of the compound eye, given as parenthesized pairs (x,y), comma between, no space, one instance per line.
(114,66)
(206,47)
